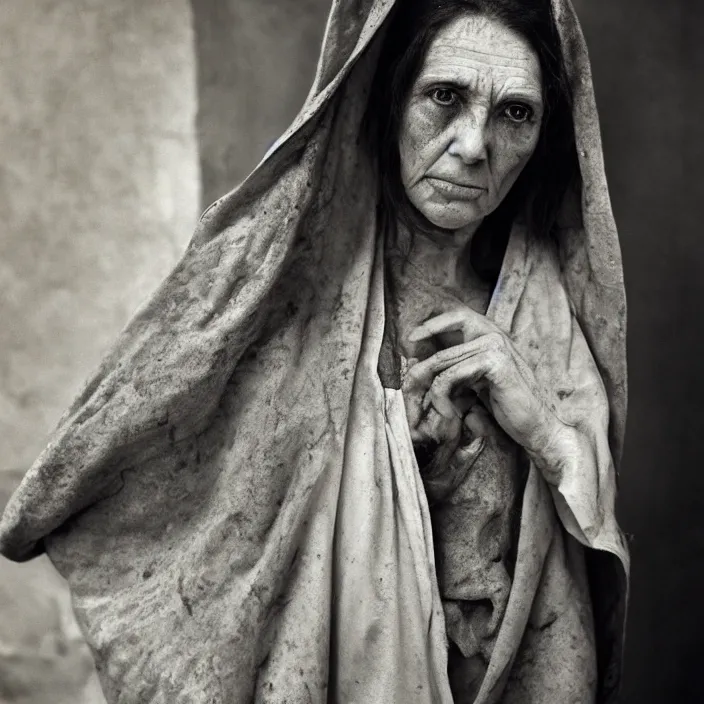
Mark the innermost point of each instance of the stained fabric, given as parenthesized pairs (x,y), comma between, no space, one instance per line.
(234,498)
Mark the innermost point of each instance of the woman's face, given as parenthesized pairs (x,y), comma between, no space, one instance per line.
(471,121)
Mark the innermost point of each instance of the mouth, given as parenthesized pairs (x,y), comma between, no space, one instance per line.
(454,190)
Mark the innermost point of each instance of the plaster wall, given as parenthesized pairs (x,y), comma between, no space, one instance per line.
(99,192)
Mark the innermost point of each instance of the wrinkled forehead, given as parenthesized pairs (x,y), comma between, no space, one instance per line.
(474,46)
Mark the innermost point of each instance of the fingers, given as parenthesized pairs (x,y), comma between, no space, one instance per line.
(433,426)
(419,376)
(425,371)
(465,320)
(470,371)
(445,369)
(479,422)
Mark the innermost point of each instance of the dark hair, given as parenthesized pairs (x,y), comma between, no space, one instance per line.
(541,186)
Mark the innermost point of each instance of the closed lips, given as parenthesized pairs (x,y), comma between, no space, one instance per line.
(454,189)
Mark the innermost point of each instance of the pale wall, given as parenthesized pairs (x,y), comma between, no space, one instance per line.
(99,192)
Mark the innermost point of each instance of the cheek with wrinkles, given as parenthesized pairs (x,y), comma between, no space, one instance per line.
(517,142)
(511,152)
(421,140)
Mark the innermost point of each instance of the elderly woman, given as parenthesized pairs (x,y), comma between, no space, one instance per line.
(359,446)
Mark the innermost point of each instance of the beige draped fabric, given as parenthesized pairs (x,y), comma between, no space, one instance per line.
(234,498)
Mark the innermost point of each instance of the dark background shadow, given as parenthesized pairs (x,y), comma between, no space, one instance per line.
(645,72)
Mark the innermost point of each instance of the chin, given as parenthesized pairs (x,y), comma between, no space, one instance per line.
(452,218)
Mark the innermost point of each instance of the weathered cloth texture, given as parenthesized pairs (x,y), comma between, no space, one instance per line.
(234,498)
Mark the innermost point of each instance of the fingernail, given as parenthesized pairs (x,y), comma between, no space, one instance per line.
(475,446)
(416,335)
(471,451)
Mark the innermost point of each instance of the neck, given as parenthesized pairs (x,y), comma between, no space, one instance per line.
(443,255)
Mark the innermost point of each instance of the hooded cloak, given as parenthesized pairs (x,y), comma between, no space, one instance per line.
(234,497)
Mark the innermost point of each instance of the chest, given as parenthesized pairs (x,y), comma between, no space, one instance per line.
(417,298)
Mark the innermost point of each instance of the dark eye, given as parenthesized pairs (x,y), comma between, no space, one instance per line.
(444,96)
(518,113)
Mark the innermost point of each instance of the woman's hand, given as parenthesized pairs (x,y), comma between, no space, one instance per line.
(428,427)
(487,362)
(446,447)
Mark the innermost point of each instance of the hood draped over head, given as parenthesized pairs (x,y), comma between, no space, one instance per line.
(234,470)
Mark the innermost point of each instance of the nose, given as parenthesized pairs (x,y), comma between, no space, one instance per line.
(470,139)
